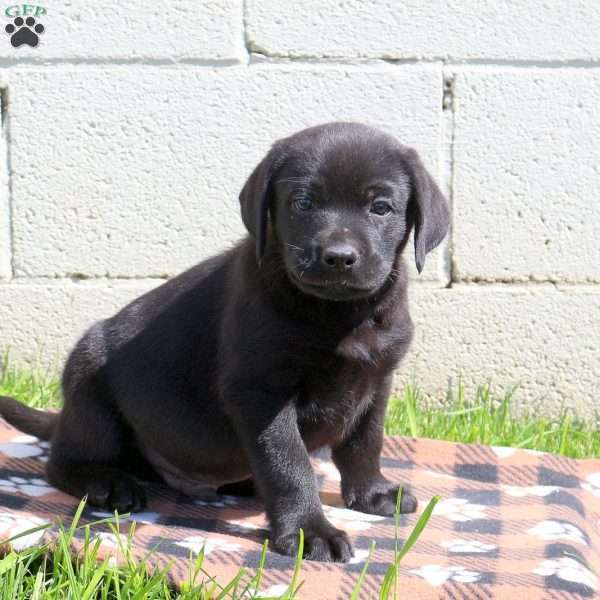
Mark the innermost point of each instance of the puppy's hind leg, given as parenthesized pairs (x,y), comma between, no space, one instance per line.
(90,437)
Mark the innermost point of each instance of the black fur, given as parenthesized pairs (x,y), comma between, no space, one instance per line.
(242,365)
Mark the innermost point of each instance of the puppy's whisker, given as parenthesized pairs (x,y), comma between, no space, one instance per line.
(293,247)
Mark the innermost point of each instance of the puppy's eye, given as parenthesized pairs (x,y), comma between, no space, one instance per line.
(381,208)
(303,203)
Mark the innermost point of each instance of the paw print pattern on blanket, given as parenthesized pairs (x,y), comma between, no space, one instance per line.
(460,546)
(146,517)
(219,501)
(568,569)
(353,520)
(25,446)
(30,486)
(197,543)
(459,509)
(12,525)
(553,530)
(436,575)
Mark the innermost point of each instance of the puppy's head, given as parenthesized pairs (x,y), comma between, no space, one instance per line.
(339,200)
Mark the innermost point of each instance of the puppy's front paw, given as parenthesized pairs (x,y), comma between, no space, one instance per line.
(322,542)
(118,492)
(380,499)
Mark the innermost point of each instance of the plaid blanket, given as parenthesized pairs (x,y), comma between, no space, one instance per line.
(511,524)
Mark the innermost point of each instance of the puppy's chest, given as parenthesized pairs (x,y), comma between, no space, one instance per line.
(373,344)
(333,399)
(346,378)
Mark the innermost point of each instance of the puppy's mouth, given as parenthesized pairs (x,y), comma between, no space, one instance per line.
(334,289)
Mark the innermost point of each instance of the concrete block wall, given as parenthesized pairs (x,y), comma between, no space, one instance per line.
(129,130)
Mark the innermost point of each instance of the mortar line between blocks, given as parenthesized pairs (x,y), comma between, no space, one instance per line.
(260,56)
(5,121)
(447,150)
(245,38)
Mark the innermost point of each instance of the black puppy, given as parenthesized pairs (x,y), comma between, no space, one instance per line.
(242,365)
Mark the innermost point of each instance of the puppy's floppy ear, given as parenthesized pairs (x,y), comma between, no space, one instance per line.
(256,194)
(428,206)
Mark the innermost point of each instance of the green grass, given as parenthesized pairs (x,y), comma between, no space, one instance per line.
(487,419)
(38,387)
(52,572)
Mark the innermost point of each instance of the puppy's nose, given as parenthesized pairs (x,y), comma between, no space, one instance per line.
(341,257)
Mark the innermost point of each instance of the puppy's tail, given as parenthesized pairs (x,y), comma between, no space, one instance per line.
(29,420)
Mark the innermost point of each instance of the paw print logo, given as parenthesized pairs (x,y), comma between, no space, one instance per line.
(24,31)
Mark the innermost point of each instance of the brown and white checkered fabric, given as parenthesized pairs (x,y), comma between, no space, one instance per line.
(511,524)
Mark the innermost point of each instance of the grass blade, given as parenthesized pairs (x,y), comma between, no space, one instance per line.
(233,583)
(292,588)
(410,402)
(8,562)
(418,528)
(363,573)
(94,581)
